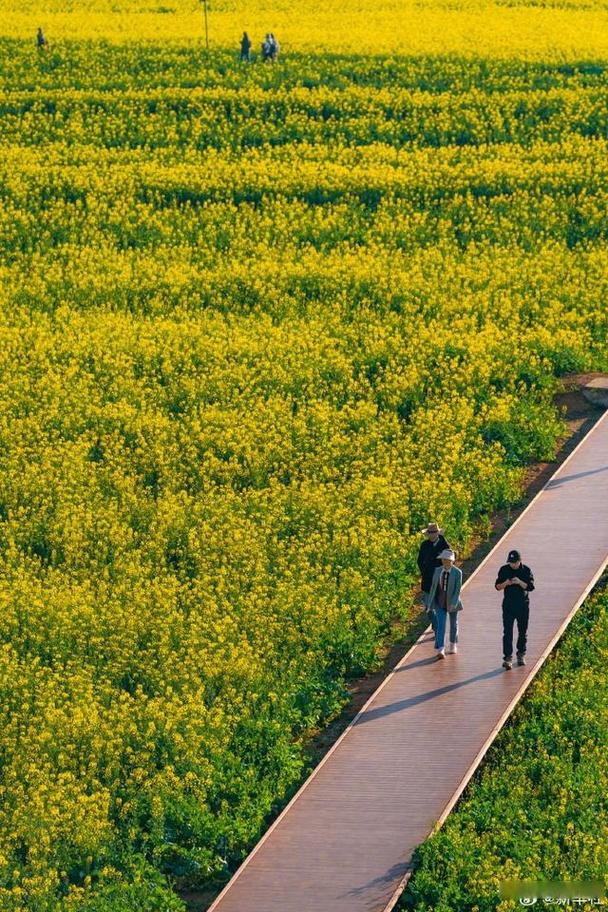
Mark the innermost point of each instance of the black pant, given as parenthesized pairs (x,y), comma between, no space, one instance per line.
(509,616)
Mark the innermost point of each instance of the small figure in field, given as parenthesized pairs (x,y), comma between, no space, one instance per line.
(515,580)
(245,47)
(41,41)
(428,560)
(445,600)
(266,47)
(270,47)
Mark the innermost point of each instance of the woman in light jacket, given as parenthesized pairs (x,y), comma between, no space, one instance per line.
(444,597)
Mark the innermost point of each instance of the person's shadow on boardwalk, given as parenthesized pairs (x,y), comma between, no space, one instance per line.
(557,482)
(394,874)
(400,705)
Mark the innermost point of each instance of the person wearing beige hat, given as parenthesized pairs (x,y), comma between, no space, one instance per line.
(428,561)
(445,600)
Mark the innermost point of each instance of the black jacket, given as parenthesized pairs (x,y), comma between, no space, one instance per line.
(514,596)
(428,560)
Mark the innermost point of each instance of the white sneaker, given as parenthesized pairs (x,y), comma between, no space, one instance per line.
(452,648)
(441,653)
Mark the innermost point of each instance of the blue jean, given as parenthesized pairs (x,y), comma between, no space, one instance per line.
(441,615)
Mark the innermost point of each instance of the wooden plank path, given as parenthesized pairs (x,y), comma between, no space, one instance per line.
(344,842)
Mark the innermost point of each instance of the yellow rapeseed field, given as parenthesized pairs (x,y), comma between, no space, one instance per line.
(511,28)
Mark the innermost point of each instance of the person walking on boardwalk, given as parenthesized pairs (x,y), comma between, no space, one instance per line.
(444,597)
(428,561)
(245,47)
(515,580)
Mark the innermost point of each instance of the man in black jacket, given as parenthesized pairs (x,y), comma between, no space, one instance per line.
(428,559)
(515,580)
(245,47)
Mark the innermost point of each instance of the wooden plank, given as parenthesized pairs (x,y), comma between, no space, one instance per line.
(344,842)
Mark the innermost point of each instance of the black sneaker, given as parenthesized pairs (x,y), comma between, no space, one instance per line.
(507,663)
(521,660)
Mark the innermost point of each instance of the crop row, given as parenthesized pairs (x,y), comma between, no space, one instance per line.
(234,383)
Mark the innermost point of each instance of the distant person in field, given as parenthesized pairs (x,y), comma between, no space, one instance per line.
(444,598)
(270,47)
(428,560)
(245,47)
(515,580)
(41,41)
(267,47)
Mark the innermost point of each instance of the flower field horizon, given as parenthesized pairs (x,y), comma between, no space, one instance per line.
(525,29)
(250,315)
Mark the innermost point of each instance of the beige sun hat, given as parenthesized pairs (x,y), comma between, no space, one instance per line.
(431,528)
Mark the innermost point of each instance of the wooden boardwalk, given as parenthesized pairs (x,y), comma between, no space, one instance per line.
(344,842)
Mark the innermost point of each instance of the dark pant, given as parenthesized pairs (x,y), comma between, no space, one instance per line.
(429,609)
(509,616)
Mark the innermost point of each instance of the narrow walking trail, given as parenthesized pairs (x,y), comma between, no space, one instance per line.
(345,841)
